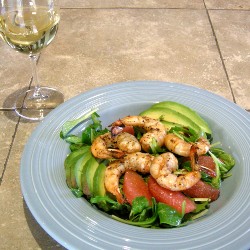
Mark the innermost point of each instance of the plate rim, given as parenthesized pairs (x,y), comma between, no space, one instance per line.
(46,122)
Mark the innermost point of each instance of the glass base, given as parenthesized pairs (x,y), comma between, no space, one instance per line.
(35,105)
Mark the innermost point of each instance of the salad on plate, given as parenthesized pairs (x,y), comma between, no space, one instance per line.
(157,169)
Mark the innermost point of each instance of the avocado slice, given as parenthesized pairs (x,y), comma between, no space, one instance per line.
(79,166)
(70,162)
(88,175)
(169,115)
(190,113)
(72,170)
(168,125)
(98,185)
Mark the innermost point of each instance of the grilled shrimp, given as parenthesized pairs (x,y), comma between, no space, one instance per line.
(107,146)
(162,169)
(140,162)
(127,143)
(154,129)
(182,148)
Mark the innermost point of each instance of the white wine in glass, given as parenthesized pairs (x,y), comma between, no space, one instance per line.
(28,26)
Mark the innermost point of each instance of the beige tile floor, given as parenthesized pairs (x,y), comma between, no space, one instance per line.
(201,43)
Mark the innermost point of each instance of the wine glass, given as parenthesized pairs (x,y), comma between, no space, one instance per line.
(28,26)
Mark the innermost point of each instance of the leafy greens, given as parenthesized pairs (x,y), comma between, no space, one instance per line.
(141,213)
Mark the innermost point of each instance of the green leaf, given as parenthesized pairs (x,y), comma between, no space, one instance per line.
(148,222)
(97,199)
(70,125)
(199,215)
(168,215)
(73,139)
(204,176)
(87,135)
(139,204)
(77,192)
(111,204)
(155,148)
(183,208)
(187,165)
(146,213)
(201,206)
(226,158)
(93,130)
(74,147)
(216,181)
(185,133)
(96,121)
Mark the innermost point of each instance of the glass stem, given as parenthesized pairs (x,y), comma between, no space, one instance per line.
(37,92)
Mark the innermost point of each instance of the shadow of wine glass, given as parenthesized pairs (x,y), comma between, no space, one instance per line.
(9,110)
(8,105)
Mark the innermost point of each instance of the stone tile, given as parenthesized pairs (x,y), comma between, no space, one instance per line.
(18,228)
(8,122)
(151,40)
(96,47)
(228,4)
(233,34)
(15,75)
(132,4)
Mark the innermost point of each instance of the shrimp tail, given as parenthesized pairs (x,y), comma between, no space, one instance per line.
(194,158)
(118,123)
(116,153)
(120,198)
(112,175)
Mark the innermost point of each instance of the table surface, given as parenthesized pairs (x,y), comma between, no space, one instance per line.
(203,43)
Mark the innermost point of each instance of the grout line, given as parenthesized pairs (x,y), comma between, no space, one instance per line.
(13,137)
(229,9)
(151,8)
(220,53)
(7,109)
(10,149)
(130,8)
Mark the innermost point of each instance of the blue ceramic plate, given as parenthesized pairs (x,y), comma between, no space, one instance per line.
(76,225)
